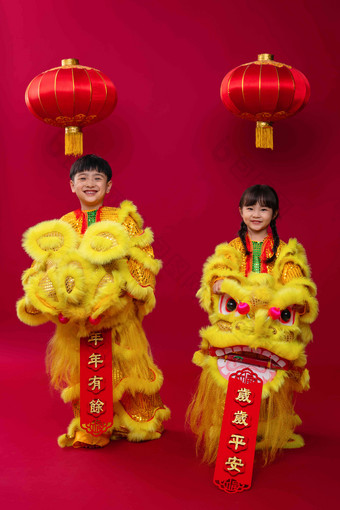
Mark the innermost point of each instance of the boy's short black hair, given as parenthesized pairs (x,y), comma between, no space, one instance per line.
(91,162)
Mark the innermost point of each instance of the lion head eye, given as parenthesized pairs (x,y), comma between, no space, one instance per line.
(231,305)
(287,316)
(227,304)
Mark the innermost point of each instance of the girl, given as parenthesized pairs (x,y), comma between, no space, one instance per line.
(259,322)
(259,209)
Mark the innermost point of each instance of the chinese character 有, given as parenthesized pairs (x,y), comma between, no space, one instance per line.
(95,382)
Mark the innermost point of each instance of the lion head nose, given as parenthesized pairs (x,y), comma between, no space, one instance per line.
(63,319)
(243,308)
(95,321)
(274,313)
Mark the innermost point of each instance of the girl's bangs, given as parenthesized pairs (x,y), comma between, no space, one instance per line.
(265,196)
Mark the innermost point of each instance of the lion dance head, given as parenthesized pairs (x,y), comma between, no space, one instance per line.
(83,285)
(261,321)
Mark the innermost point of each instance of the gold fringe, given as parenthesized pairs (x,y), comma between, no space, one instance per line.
(276,423)
(204,416)
(73,141)
(264,135)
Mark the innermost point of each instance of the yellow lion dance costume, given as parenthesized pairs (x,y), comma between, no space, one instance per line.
(270,339)
(108,273)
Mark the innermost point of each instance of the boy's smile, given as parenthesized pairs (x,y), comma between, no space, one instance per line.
(90,186)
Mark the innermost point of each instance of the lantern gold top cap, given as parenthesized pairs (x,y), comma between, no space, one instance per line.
(69,62)
(265,56)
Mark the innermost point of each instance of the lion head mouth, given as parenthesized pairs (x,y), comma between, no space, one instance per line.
(263,362)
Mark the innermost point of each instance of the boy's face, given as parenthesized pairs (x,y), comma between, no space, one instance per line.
(90,186)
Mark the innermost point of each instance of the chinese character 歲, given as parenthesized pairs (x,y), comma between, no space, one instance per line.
(240,418)
(244,395)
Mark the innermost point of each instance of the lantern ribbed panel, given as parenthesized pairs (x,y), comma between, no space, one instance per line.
(71,96)
(265,92)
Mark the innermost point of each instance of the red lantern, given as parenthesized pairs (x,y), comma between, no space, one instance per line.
(265,91)
(71,97)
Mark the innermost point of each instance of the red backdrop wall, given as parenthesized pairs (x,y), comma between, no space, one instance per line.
(183,160)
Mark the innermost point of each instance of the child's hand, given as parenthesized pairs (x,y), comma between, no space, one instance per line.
(217,287)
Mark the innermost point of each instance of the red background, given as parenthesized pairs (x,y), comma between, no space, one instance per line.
(184,160)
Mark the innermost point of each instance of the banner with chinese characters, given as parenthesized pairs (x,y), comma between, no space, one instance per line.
(96,399)
(235,456)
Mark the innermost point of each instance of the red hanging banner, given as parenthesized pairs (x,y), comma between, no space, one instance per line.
(236,450)
(96,400)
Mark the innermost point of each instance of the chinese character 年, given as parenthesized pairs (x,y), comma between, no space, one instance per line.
(95,359)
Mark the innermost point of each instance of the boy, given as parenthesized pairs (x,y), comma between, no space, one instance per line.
(97,297)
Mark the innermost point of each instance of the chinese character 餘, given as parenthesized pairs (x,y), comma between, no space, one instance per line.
(96,406)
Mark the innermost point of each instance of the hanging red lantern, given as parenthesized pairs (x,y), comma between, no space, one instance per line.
(264,91)
(71,97)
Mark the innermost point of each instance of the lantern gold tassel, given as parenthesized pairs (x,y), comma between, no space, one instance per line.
(73,141)
(264,135)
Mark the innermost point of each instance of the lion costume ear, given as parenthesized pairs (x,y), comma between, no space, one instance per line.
(224,263)
(49,237)
(292,271)
(291,263)
(104,242)
(30,315)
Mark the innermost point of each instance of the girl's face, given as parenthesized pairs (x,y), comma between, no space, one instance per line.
(257,218)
